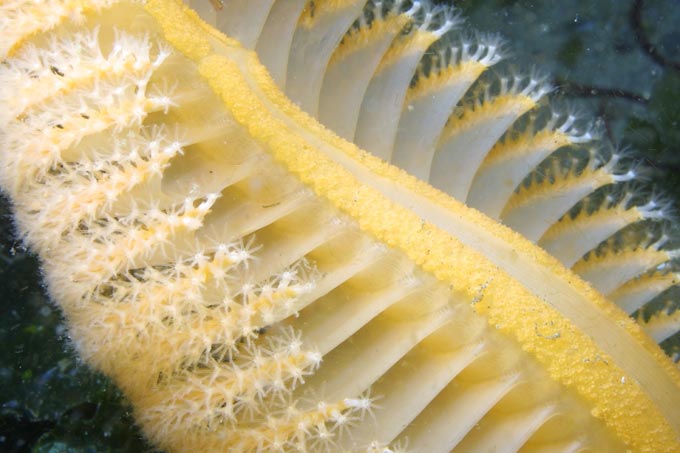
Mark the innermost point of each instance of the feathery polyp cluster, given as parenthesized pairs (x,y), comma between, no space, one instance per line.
(85,167)
(18,18)
(435,19)
(65,95)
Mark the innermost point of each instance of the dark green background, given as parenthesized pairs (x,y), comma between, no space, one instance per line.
(620,59)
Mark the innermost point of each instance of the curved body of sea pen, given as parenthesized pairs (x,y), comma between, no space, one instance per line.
(254,282)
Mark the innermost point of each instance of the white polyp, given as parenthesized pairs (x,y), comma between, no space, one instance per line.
(205,205)
(535,89)
(659,243)
(566,125)
(415,7)
(437,19)
(627,176)
(654,209)
(488,49)
(362,404)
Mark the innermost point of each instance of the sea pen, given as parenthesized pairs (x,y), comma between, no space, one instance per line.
(252,281)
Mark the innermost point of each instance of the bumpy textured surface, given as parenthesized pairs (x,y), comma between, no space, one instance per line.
(253,282)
